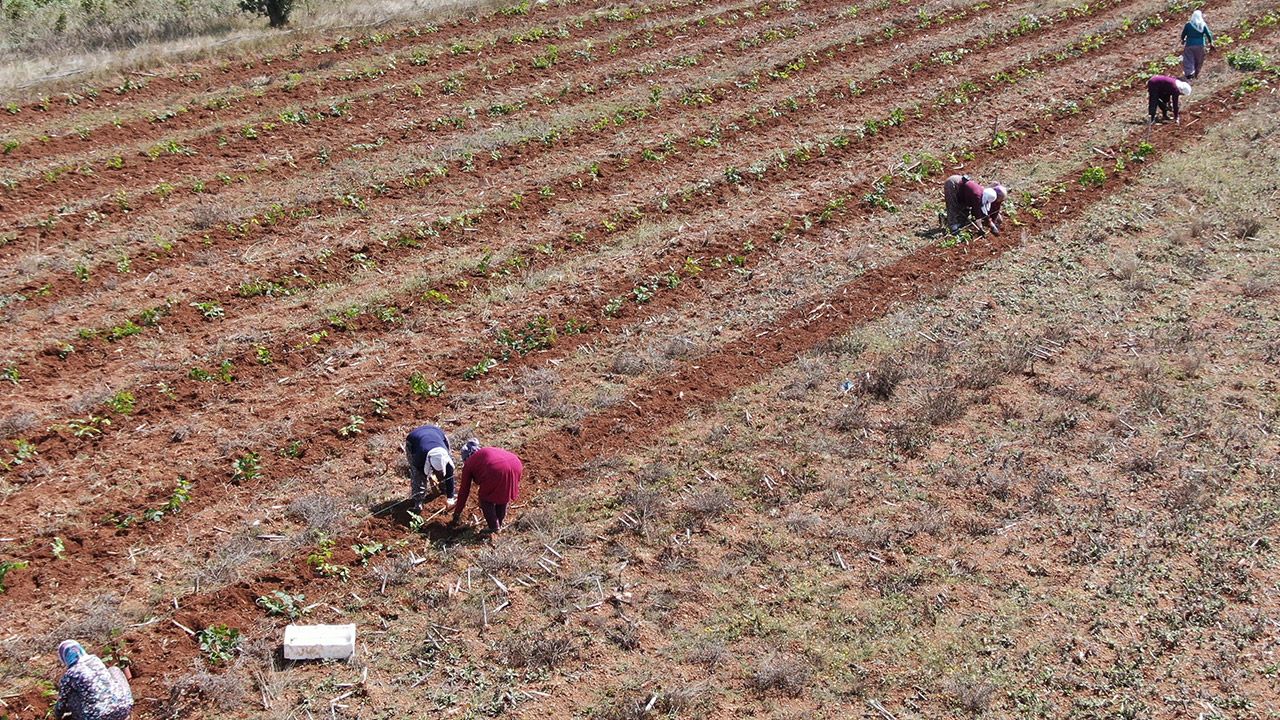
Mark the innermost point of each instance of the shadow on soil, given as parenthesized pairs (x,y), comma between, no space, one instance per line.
(436,527)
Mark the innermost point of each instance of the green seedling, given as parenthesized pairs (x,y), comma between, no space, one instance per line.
(219,643)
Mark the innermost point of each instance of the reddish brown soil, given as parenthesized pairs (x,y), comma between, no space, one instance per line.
(769,211)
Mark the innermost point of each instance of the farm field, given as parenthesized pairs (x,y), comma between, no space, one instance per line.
(790,451)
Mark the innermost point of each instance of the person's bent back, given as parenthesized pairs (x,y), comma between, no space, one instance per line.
(89,690)
(496,473)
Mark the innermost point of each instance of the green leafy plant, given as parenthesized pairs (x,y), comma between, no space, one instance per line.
(284,604)
(88,427)
(354,426)
(263,354)
(10,373)
(122,402)
(422,387)
(247,467)
(7,566)
(322,561)
(58,547)
(210,309)
(365,551)
(479,369)
(219,643)
(1093,177)
(1247,59)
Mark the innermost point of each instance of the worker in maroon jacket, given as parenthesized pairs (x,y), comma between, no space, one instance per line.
(968,201)
(1162,94)
(497,473)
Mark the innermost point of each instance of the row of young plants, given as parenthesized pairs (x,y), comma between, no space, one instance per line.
(535,335)
(409,91)
(725,366)
(1121,151)
(280,132)
(516,263)
(294,280)
(788,70)
(511,23)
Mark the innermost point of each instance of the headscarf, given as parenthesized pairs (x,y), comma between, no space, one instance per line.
(439,460)
(470,448)
(1197,21)
(990,195)
(70,652)
(1183,87)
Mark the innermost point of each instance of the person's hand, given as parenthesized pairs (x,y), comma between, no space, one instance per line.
(1177,120)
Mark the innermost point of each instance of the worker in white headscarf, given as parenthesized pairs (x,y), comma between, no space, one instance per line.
(427,450)
(1162,95)
(1197,39)
(967,201)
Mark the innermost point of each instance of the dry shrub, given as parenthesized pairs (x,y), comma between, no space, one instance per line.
(646,504)
(202,689)
(851,417)
(392,571)
(678,347)
(623,634)
(998,485)
(629,362)
(99,620)
(510,555)
(541,387)
(801,521)
(710,653)
(783,673)
(1257,286)
(940,407)
(908,438)
(972,696)
(812,371)
(538,650)
(708,503)
(1248,228)
(321,513)
(1124,266)
(880,381)
(654,705)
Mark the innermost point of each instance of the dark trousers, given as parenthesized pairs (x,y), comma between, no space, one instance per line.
(1155,102)
(418,480)
(494,514)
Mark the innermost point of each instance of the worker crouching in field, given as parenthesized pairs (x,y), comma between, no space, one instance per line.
(967,201)
(1162,94)
(496,474)
(90,690)
(427,450)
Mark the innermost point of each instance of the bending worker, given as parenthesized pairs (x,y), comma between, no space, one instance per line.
(967,201)
(427,450)
(1162,94)
(89,690)
(496,473)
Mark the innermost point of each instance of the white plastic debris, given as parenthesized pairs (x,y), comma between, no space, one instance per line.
(319,642)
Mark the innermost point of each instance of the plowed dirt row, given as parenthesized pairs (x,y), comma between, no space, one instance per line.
(749,144)
(924,273)
(396,99)
(73,239)
(198,79)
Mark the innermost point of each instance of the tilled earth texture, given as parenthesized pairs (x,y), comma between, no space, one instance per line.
(790,451)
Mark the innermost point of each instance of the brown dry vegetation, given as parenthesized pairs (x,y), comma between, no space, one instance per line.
(790,453)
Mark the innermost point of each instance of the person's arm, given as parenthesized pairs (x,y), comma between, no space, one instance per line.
(464,489)
(1208,37)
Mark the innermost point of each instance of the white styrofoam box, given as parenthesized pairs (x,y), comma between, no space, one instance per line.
(319,642)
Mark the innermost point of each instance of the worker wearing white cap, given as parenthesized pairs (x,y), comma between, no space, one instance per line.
(427,450)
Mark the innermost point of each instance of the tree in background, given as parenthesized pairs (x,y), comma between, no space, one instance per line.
(276,10)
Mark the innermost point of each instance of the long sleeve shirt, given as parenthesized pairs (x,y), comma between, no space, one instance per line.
(422,441)
(1163,87)
(89,691)
(1191,37)
(496,472)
